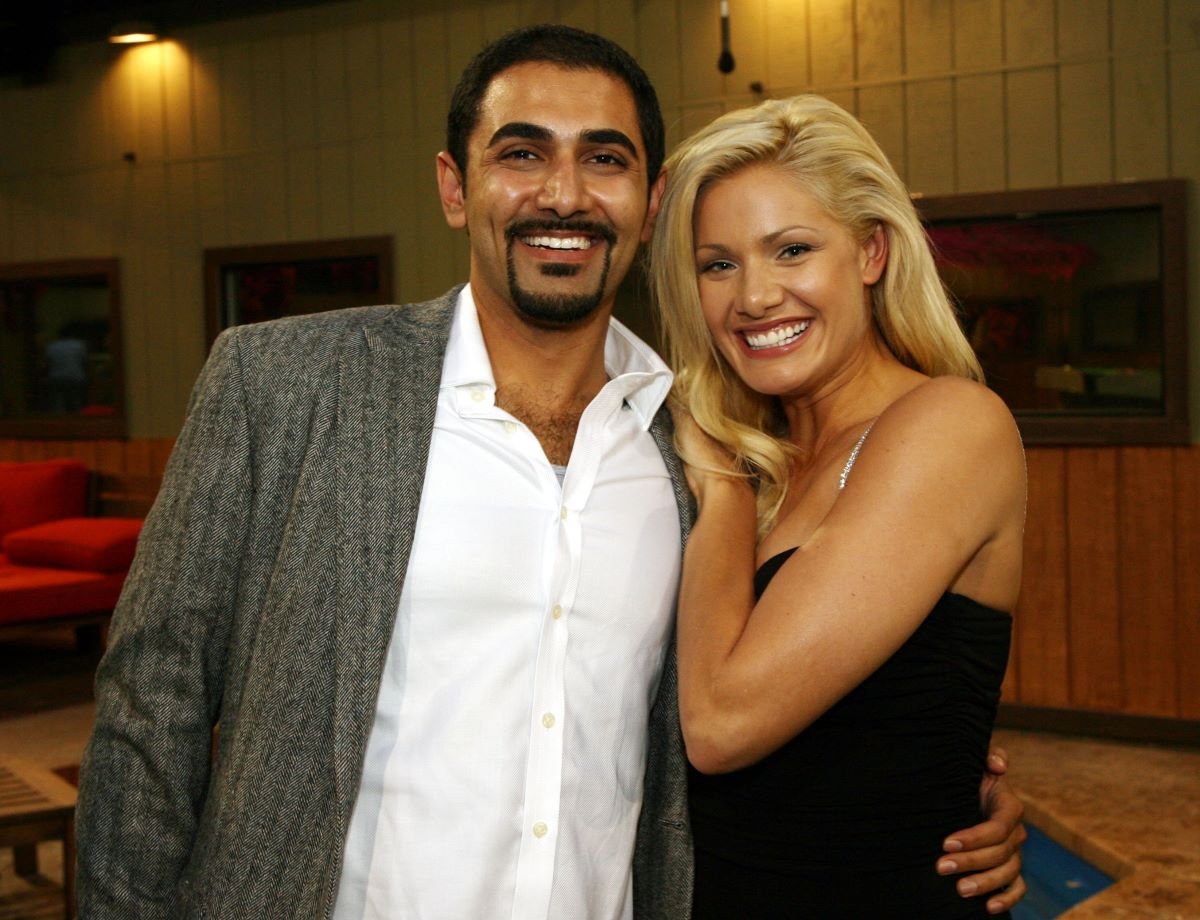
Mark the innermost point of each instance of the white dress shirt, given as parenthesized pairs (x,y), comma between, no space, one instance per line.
(503,774)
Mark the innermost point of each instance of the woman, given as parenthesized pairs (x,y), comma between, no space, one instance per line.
(843,624)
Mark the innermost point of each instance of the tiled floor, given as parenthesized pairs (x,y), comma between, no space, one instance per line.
(1133,810)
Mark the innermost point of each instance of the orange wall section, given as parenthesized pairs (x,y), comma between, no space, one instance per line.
(1109,616)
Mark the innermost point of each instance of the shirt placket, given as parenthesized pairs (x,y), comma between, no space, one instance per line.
(548,717)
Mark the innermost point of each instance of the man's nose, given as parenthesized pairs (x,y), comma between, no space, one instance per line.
(565,189)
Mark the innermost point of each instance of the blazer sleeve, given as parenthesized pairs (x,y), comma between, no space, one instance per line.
(158,687)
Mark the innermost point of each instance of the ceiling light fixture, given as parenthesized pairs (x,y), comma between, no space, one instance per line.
(133,33)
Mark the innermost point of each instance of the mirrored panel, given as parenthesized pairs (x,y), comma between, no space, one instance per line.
(1073,299)
(250,284)
(60,350)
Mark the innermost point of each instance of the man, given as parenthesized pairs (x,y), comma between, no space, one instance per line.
(391,558)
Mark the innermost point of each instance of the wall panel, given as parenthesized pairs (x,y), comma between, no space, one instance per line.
(979,133)
(1085,123)
(978,29)
(1140,117)
(881,36)
(787,48)
(752,19)
(1183,24)
(1094,613)
(206,100)
(268,96)
(364,98)
(1083,28)
(1186,502)
(831,47)
(882,110)
(237,97)
(1147,580)
(1031,122)
(928,37)
(929,110)
(1042,636)
(299,88)
(1138,25)
(699,32)
(1028,31)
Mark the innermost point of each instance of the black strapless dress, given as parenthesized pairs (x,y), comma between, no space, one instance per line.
(846,821)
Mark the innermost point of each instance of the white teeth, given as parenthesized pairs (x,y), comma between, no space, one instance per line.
(780,335)
(558,242)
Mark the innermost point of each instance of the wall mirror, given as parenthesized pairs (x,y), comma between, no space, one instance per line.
(60,350)
(1074,299)
(249,284)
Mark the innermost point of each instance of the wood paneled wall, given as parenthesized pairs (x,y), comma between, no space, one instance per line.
(323,123)
(1109,616)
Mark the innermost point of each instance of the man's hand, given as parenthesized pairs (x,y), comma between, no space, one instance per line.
(990,851)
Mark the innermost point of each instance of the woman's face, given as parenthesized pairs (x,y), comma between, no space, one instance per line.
(783,286)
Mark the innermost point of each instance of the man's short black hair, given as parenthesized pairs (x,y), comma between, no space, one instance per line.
(567,47)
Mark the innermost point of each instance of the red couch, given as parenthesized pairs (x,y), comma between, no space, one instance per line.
(56,563)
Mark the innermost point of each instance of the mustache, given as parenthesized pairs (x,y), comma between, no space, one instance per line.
(533,227)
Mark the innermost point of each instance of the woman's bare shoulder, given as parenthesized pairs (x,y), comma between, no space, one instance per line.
(952,408)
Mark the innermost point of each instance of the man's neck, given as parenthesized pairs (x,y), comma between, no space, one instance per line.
(545,377)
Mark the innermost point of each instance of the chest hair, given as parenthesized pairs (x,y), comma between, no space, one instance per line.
(553,426)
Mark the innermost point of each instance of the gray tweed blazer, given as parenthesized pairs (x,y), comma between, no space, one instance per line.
(262,597)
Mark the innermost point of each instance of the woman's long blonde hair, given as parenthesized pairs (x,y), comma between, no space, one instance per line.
(833,157)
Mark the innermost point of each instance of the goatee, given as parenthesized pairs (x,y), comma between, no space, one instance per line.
(558,310)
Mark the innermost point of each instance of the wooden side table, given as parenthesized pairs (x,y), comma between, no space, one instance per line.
(36,805)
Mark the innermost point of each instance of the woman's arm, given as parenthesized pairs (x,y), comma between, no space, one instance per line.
(940,479)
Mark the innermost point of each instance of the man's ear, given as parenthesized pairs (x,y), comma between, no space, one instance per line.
(656,193)
(450,189)
(874,255)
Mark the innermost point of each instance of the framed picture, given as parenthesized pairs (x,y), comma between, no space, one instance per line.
(250,284)
(1074,300)
(61,370)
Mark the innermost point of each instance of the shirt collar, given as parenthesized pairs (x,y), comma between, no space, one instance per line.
(645,377)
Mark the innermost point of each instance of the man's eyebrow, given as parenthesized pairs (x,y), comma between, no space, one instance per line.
(611,136)
(520,129)
(530,132)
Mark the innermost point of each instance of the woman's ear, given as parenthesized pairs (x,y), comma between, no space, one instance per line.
(874,255)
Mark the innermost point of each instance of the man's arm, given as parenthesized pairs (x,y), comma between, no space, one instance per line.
(145,773)
(989,854)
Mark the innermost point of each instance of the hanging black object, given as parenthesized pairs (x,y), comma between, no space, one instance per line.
(725,61)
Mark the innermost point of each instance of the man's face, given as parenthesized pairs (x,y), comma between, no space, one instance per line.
(555,201)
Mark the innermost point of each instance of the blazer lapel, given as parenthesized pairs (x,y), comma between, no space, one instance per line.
(389,377)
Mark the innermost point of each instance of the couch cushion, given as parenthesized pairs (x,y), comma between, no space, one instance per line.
(28,594)
(41,490)
(87,544)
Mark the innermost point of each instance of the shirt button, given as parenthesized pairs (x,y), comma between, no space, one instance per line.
(540,829)
(510,427)
(477,395)
(562,512)
(548,720)
(556,612)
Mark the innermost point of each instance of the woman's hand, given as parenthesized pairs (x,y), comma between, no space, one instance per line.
(704,457)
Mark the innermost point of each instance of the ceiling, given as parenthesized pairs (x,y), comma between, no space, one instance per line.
(32,31)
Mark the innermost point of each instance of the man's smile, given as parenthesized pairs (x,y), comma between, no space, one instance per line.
(556,242)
